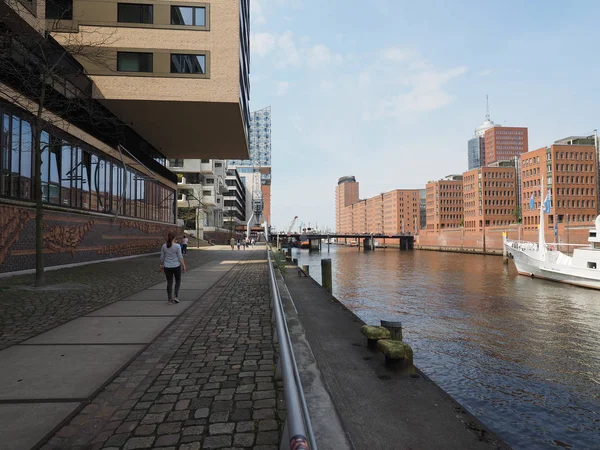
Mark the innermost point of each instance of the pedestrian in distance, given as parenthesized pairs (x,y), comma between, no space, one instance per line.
(172,263)
(232,243)
(244,243)
(238,244)
(184,245)
(252,242)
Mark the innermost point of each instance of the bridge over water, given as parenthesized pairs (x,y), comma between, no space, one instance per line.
(404,242)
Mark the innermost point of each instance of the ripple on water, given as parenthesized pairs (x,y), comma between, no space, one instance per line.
(522,354)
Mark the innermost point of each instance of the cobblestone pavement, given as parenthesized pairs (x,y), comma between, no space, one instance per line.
(206,382)
(69,293)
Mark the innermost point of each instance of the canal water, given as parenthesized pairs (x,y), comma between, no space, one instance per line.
(523,355)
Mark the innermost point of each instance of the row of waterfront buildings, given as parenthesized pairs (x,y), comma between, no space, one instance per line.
(115,114)
(503,180)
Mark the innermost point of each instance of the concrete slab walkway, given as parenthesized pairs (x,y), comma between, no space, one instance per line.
(195,374)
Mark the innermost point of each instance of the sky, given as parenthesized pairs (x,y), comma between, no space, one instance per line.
(390,91)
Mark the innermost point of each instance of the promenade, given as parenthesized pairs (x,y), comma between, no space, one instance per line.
(99,360)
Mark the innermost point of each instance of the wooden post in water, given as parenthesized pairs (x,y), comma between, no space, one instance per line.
(504,252)
(326,274)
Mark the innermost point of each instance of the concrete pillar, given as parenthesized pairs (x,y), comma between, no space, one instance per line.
(326,274)
(306,269)
(295,261)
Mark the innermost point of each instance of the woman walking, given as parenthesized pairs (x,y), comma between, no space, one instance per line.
(171,263)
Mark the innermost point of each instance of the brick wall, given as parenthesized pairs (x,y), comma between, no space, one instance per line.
(73,238)
(473,241)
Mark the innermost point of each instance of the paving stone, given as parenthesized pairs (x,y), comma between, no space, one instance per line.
(267,403)
(262,395)
(201,413)
(139,442)
(195,430)
(217,442)
(267,425)
(241,414)
(243,439)
(190,446)
(260,414)
(153,418)
(221,416)
(243,427)
(221,428)
(167,439)
(117,440)
(178,416)
(169,428)
(127,427)
(268,437)
(144,430)
(182,404)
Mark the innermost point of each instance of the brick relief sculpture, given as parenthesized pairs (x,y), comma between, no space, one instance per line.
(132,248)
(148,228)
(65,238)
(12,222)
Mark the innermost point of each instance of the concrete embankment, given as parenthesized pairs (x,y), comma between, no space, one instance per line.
(476,251)
(351,392)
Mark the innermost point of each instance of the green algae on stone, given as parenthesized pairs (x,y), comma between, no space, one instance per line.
(392,349)
(375,332)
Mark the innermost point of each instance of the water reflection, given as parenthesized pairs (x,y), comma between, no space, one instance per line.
(522,354)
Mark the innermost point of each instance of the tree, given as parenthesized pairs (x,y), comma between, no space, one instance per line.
(43,77)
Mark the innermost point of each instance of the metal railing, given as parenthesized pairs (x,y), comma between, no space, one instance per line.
(298,429)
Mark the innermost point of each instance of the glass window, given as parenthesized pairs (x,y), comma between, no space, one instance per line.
(135,13)
(187,15)
(175,162)
(59,9)
(188,64)
(84,175)
(26,159)
(66,174)
(134,62)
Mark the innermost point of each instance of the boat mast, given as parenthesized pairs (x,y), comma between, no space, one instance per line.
(541,237)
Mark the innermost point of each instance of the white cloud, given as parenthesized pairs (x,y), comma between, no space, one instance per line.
(282,88)
(257,15)
(484,73)
(396,54)
(262,43)
(287,53)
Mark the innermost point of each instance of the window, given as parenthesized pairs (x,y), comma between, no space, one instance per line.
(175,162)
(188,64)
(210,181)
(205,193)
(135,13)
(205,161)
(591,265)
(134,62)
(188,15)
(59,9)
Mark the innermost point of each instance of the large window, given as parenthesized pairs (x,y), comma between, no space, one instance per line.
(134,62)
(59,9)
(134,13)
(188,64)
(188,15)
(73,176)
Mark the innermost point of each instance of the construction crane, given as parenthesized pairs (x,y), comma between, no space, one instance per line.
(294,220)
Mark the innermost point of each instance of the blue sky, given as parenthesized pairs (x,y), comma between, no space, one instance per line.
(391,90)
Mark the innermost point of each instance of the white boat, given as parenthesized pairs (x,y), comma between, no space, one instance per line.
(541,260)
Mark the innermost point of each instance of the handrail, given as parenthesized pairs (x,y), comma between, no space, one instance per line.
(298,420)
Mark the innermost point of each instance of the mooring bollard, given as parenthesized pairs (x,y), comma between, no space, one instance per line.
(394,327)
(295,261)
(326,274)
(306,269)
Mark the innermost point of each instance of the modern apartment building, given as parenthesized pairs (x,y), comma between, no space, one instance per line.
(176,72)
(201,189)
(393,212)
(256,171)
(504,143)
(489,197)
(569,169)
(444,203)
(235,200)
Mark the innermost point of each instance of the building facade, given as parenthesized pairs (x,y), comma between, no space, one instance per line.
(490,197)
(444,203)
(394,212)
(235,200)
(476,145)
(256,171)
(503,143)
(119,100)
(346,194)
(568,169)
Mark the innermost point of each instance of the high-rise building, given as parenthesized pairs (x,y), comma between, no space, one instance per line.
(346,194)
(444,203)
(476,145)
(504,143)
(490,197)
(568,168)
(235,200)
(256,171)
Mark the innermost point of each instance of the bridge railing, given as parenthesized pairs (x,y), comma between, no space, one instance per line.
(298,429)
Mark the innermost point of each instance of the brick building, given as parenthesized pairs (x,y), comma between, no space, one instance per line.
(444,203)
(569,170)
(503,143)
(393,212)
(490,197)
